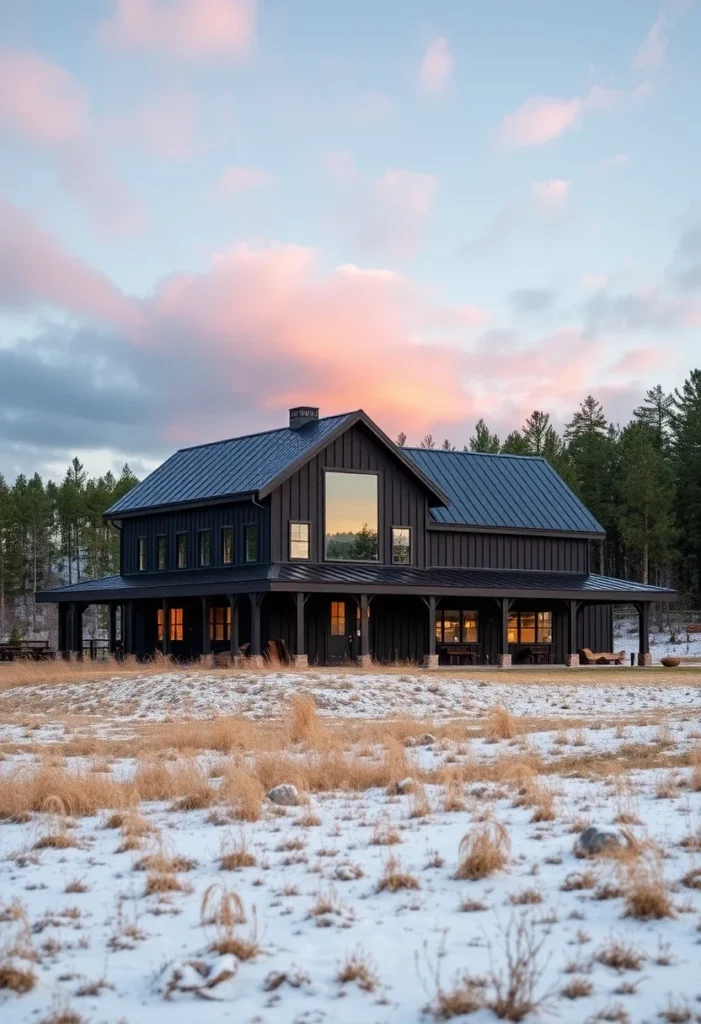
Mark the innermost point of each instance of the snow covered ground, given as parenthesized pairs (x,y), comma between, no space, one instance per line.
(216,902)
(625,638)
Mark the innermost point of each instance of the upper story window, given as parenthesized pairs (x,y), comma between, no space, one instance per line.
(162,552)
(351,517)
(401,545)
(205,547)
(299,540)
(141,554)
(250,542)
(227,545)
(531,627)
(181,550)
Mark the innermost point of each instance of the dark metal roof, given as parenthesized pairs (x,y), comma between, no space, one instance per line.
(248,465)
(506,491)
(353,577)
(241,465)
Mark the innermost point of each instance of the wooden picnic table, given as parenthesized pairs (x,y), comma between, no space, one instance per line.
(34,650)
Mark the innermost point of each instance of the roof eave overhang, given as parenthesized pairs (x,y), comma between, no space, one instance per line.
(346,424)
(519,531)
(177,506)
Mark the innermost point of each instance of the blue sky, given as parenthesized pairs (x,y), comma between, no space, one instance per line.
(435,211)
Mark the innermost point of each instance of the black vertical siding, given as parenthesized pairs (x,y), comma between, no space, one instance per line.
(191,522)
(506,551)
(402,501)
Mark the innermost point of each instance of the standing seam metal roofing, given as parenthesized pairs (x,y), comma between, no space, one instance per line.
(240,465)
(510,491)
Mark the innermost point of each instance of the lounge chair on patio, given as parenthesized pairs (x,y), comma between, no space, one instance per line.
(589,657)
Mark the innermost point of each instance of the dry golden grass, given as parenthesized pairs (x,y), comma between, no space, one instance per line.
(645,892)
(236,856)
(467,996)
(620,955)
(221,912)
(26,789)
(501,724)
(577,988)
(243,793)
(483,850)
(19,980)
(394,878)
(302,720)
(515,985)
(358,967)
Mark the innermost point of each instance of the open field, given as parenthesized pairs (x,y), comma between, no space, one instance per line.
(145,875)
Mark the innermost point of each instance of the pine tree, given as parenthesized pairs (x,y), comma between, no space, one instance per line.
(401,439)
(483,440)
(645,500)
(685,422)
(428,442)
(447,446)
(589,419)
(515,444)
(656,411)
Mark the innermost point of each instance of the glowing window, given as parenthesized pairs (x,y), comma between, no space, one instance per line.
(338,618)
(176,624)
(299,540)
(351,517)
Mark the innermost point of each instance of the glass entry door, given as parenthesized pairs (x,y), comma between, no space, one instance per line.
(339,638)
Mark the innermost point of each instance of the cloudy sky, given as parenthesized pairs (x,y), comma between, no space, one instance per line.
(211,210)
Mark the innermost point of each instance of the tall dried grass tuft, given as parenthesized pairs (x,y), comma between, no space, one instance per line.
(645,892)
(243,793)
(501,724)
(514,986)
(302,720)
(483,850)
(221,911)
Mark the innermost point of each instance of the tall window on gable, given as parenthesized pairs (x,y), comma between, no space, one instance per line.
(205,547)
(351,517)
(181,548)
(401,545)
(141,554)
(299,540)
(250,542)
(161,552)
(227,545)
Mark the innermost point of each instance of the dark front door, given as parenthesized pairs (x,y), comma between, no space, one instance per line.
(339,634)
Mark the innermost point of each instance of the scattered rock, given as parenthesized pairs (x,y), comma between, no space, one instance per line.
(208,980)
(285,794)
(593,841)
(406,785)
(348,872)
(411,741)
(427,739)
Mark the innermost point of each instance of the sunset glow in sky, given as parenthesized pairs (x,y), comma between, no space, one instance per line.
(211,210)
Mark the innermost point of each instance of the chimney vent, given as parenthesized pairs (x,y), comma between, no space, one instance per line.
(301,415)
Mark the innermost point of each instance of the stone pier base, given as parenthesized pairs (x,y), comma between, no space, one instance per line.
(645,660)
(430,661)
(255,661)
(504,660)
(573,660)
(300,660)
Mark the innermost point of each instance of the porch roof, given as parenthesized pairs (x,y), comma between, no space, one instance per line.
(354,578)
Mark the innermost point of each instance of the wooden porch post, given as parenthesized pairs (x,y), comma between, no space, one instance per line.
(504,658)
(111,628)
(165,607)
(234,637)
(128,627)
(644,656)
(300,658)
(572,647)
(431,659)
(256,658)
(61,639)
(365,658)
(206,645)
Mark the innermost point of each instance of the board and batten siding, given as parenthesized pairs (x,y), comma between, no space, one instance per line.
(191,521)
(467,549)
(401,498)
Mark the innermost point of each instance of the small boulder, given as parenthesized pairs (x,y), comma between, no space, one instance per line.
(427,739)
(405,785)
(411,741)
(593,841)
(285,794)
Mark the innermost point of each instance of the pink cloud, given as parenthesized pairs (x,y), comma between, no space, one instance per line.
(42,105)
(652,52)
(387,214)
(639,361)
(242,179)
(436,68)
(188,29)
(551,194)
(543,118)
(37,272)
(166,124)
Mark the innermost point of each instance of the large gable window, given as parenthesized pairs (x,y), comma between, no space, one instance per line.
(351,517)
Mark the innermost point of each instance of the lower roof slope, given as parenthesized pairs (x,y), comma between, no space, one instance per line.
(505,491)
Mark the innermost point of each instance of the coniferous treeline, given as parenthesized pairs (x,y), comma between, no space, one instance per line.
(641,481)
(52,534)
